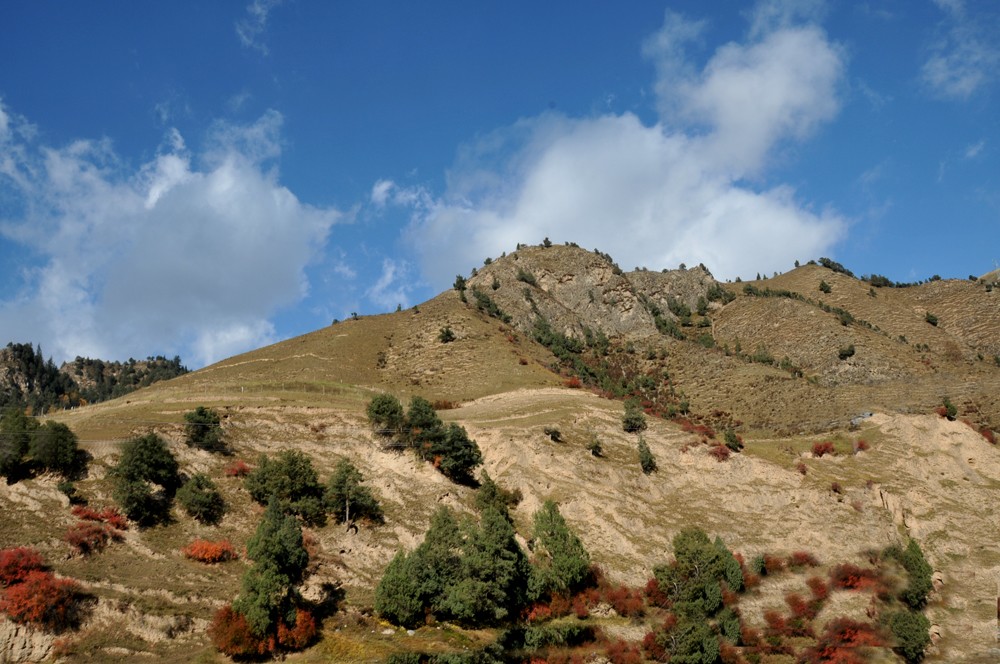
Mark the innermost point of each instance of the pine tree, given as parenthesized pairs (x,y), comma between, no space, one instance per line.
(291,479)
(145,462)
(268,589)
(561,564)
(53,447)
(493,580)
(348,498)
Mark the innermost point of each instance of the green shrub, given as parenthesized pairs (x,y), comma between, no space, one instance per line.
(634,420)
(291,480)
(911,631)
(824,287)
(53,448)
(201,499)
(646,459)
(526,277)
(385,414)
(204,430)
(446,335)
(931,318)
(846,352)
(145,463)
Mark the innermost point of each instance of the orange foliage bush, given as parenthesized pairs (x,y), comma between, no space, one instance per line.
(17,563)
(819,449)
(539,613)
(205,551)
(852,577)
(238,468)
(42,600)
(860,446)
(299,636)
(988,434)
(773,564)
(231,635)
(842,642)
(580,607)
(573,382)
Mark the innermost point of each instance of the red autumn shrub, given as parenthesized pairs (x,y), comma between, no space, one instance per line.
(836,488)
(90,537)
(842,642)
(852,577)
(773,564)
(42,600)
(231,635)
(802,468)
(622,652)
(238,468)
(818,588)
(205,551)
(539,613)
(300,635)
(799,607)
(720,452)
(653,648)
(656,596)
(860,446)
(941,411)
(560,606)
(729,654)
(819,449)
(573,382)
(802,559)
(625,601)
(16,563)
(108,515)
(777,625)
(988,434)
(523,361)
(580,607)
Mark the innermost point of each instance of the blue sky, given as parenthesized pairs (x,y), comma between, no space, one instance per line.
(205,178)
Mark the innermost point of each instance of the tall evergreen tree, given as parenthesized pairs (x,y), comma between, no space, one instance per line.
(348,498)
(561,564)
(268,589)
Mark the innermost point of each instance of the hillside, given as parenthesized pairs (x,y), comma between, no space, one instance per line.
(922,476)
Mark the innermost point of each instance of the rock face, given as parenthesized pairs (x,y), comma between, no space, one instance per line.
(574,289)
(23,644)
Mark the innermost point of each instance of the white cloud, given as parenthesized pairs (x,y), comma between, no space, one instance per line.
(965,57)
(171,257)
(381,191)
(653,195)
(393,285)
(251,27)
(974,150)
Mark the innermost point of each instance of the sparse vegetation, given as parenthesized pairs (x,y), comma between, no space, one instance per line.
(634,420)
(646,460)
(446,335)
(931,318)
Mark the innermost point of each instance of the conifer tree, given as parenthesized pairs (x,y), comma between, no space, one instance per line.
(348,498)
(268,589)
(561,564)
